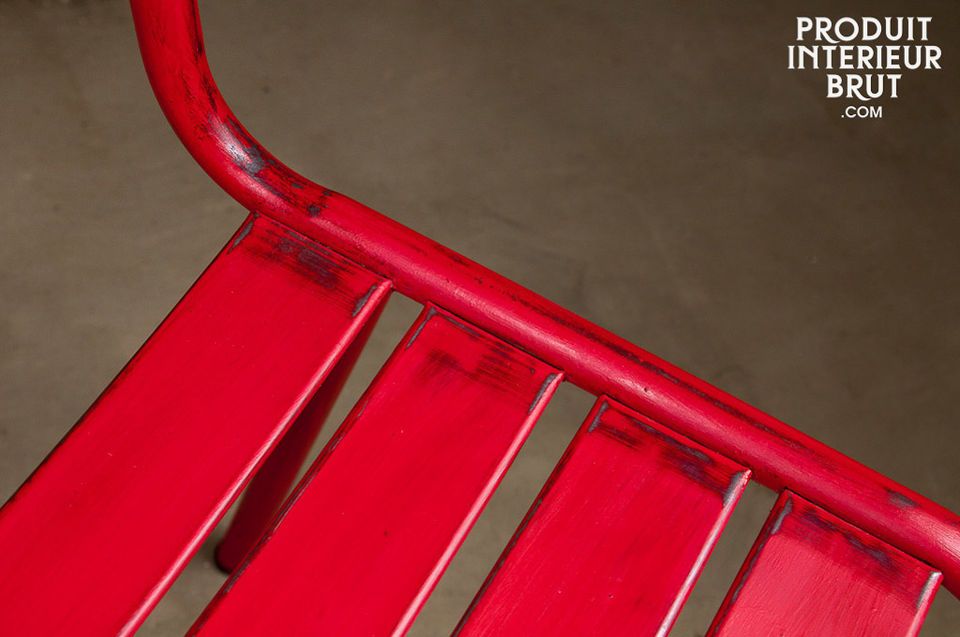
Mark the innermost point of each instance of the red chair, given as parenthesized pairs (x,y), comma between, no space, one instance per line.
(237,380)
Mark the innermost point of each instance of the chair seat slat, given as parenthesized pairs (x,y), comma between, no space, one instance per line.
(364,538)
(617,537)
(811,573)
(98,532)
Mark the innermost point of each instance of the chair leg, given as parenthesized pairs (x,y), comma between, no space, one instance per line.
(273,481)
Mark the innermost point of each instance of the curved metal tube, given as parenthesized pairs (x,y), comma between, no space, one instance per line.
(171,43)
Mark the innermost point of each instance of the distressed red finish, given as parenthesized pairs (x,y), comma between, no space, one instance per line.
(374,523)
(614,543)
(593,358)
(811,573)
(272,483)
(96,535)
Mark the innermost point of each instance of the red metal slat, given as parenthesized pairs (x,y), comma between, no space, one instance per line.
(811,573)
(273,481)
(372,526)
(779,456)
(617,537)
(99,531)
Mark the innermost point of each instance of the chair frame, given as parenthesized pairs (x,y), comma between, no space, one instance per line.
(591,357)
(327,263)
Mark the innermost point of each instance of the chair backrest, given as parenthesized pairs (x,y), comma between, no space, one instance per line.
(239,377)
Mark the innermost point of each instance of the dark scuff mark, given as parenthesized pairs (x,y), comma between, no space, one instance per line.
(733,487)
(248,157)
(496,368)
(693,469)
(196,33)
(543,388)
(244,231)
(296,184)
(441,363)
(784,512)
(252,163)
(362,301)
(254,159)
(320,265)
(670,441)
(211,92)
(286,246)
(307,241)
(426,319)
(469,329)
(621,435)
(274,190)
(812,517)
(316,208)
(596,419)
(900,500)
(305,258)
(696,465)
(878,554)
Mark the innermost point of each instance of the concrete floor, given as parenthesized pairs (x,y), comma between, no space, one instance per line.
(652,166)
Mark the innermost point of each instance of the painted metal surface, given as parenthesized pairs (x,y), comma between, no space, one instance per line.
(591,357)
(616,539)
(369,530)
(99,531)
(273,481)
(811,573)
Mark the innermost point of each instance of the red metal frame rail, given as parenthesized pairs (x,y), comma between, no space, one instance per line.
(598,361)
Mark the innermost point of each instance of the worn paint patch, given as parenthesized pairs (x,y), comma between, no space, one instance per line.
(784,512)
(244,232)
(596,419)
(469,329)
(423,322)
(672,441)
(734,486)
(363,300)
(901,500)
(543,388)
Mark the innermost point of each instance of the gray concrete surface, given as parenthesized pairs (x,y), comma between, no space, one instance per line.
(652,166)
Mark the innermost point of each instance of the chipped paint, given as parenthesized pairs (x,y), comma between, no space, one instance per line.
(900,500)
(670,440)
(784,512)
(244,231)
(592,357)
(596,419)
(543,388)
(423,322)
(735,486)
(362,301)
